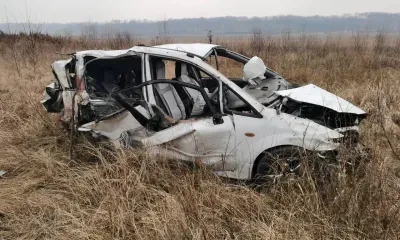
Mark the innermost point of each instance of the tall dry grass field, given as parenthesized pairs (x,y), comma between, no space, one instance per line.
(106,194)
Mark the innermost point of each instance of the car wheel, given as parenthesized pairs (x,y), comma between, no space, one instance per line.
(277,163)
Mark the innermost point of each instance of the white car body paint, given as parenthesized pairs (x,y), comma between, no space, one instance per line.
(112,127)
(59,69)
(274,130)
(318,96)
(230,148)
(199,49)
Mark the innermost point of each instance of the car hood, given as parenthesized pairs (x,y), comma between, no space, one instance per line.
(318,96)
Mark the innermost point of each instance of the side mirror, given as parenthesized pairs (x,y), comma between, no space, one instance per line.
(217,119)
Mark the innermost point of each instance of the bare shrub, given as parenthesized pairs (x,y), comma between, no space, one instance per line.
(89,34)
(397,45)
(164,36)
(257,41)
(210,36)
(286,39)
(10,40)
(380,42)
(121,40)
(270,44)
(360,39)
(312,44)
(33,44)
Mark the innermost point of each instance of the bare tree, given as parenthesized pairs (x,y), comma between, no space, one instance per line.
(108,31)
(380,42)
(359,41)
(397,44)
(270,44)
(89,33)
(164,35)
(33,35)
(13,46)
(67,34)
(286,38)
(209,36)
(257,41)
(121,40)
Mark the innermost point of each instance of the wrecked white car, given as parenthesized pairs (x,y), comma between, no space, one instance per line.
(169,100)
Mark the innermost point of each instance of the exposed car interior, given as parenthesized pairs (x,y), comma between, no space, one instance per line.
(107,75)
(183,103)
(228,63)
(263,89)
(177,101)
(104,76)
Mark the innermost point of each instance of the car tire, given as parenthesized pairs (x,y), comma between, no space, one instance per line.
(277,162)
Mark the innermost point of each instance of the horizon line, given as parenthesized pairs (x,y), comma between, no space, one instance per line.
(119,21)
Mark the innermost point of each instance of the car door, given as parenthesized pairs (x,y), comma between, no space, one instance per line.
(249,129)
(211,138)
(214,143)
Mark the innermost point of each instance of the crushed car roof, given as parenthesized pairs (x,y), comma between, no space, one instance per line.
(200,49)
(103,53)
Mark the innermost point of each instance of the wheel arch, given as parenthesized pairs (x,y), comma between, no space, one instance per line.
(258,158)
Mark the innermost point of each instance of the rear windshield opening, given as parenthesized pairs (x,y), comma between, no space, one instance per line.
(104,76)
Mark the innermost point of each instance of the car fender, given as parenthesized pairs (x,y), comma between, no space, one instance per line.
(274,130)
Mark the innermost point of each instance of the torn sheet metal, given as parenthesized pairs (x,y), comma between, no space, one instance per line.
(52,99)
(67,100)
(169,134)
(112,127)
(59,69)
(318,96)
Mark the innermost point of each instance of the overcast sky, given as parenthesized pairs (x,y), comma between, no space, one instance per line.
(106,10)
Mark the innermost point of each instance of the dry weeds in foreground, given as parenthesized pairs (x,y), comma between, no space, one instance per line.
(105,194)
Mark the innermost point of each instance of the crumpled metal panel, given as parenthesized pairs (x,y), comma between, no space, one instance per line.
(318,96)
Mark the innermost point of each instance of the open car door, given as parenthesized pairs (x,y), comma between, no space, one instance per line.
(208,138)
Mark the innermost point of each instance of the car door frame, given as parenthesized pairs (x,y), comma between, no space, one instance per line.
(218,114)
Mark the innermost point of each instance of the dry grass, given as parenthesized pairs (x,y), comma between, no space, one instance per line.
(104,194)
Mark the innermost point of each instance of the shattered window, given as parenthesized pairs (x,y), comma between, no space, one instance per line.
(178,101)
(170,69)
(104,76)
(71,73)
(230,68)
(163,69)
(233,103)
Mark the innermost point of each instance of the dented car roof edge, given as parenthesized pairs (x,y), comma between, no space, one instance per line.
(200,49)
(171,53)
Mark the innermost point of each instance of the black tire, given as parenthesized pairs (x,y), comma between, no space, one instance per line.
(277,162)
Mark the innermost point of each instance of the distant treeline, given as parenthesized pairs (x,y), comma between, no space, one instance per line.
(371,22)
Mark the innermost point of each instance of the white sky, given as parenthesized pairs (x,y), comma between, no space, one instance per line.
(105,10)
